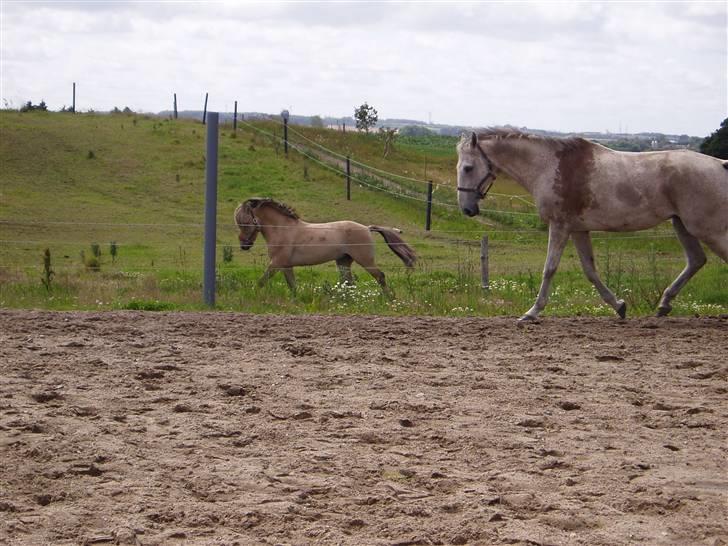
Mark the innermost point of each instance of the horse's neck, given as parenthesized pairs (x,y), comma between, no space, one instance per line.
(270,219)
(523,160)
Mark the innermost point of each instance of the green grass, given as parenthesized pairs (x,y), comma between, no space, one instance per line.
(70,181)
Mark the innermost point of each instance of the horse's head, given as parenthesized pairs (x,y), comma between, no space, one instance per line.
(475,174)
(247,223)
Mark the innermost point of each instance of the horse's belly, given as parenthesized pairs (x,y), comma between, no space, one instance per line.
(312,254)
(633,220)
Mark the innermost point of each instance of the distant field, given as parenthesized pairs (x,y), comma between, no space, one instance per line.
(69,182)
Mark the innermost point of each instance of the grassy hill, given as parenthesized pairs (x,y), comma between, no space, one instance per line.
(76,183)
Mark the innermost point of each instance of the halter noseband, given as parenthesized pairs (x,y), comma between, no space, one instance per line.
(249,240)
(490,176)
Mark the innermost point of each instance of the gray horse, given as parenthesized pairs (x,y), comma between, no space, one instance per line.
(580,186)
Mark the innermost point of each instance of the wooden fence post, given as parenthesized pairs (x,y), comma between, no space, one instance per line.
(348,178)
(285,135)
(484,281)
(428,218)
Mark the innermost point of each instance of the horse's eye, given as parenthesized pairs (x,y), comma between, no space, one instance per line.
(468,168)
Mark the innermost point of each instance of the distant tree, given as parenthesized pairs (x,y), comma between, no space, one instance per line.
(127,110)
(316,121)
(30,107)
(717,143)
(366,117)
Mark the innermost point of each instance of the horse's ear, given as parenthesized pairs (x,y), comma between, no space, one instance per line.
(473,140)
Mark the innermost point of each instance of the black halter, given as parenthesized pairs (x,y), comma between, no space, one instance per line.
(490,176)
(256,224)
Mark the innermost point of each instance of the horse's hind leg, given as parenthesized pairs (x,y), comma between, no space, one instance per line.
(344,265)
(364,256)
(379,276)
(582,242)
(719,245)
(696,259)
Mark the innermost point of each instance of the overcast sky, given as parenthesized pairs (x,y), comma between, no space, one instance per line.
(567,66)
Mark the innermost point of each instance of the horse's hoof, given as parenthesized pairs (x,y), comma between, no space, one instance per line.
(525,319)
(663,310)
(622,311)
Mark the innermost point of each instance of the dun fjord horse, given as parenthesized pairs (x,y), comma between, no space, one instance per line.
(580,186)
(293,242)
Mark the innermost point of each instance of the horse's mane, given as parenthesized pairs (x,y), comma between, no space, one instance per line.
(498,133)
(277,205)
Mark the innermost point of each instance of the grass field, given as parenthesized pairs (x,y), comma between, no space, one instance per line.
(75,184)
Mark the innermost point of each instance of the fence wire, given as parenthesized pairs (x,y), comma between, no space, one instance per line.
(362,182)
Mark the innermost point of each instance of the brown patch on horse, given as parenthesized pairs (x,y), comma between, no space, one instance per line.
(573,175)
(628,195)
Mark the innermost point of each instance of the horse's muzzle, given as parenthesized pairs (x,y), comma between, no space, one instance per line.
(245,245)
(471,210)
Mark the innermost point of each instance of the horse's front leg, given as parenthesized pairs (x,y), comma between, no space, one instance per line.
(290,278)
(582,242)
(269,272)
(558,237)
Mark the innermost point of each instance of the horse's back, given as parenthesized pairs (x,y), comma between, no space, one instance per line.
(697,184)
(628,191)
(340,229)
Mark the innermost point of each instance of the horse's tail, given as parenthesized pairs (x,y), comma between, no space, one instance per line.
(405,252)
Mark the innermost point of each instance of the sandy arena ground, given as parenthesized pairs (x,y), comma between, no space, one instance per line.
(221,428)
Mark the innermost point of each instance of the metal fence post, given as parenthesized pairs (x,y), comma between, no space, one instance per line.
(175,106)
(428,219)
(484,281)
(235,117)
(73,107)
(204,111)
(208,287)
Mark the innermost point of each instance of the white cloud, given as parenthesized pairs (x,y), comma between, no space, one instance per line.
(563,65)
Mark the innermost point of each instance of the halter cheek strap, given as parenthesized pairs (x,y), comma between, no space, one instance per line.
(255,231)
(481,190)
